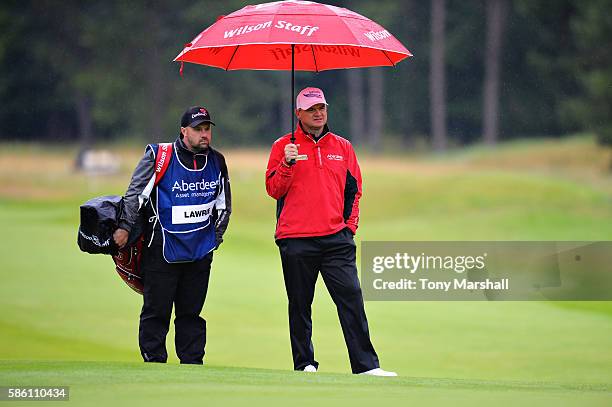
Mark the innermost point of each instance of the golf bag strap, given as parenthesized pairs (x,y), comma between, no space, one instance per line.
(162,160)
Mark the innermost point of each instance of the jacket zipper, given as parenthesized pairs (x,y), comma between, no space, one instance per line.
(318,147)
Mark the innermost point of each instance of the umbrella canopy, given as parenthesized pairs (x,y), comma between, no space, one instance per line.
(293,35)
(324,37)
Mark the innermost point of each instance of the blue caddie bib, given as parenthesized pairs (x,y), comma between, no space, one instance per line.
(185,202)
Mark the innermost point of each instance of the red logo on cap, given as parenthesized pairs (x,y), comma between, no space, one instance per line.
(203,111)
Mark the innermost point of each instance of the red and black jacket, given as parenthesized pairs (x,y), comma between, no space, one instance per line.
(318,196)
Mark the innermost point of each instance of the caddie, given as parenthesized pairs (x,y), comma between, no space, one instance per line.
(186,215)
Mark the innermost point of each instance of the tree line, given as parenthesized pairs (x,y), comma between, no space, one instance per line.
(482,71)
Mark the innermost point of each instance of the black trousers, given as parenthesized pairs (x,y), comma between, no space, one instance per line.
(334,257)
(184,285)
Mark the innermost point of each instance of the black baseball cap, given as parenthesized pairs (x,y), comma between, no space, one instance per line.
(194,116)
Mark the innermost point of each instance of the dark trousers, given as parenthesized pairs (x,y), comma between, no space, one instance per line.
(334,257)
(185,286)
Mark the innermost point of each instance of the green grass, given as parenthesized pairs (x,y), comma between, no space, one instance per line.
(121,383)
(67,319)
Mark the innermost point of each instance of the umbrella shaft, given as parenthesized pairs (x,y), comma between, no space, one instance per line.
(292,93)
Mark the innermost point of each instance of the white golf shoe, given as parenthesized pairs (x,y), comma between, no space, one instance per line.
(379,372)
(310,369)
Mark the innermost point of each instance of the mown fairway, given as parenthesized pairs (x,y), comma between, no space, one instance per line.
(67,319)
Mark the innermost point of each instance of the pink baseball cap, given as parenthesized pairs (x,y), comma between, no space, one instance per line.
(309,97)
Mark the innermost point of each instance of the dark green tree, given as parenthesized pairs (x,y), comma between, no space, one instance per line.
(592,28)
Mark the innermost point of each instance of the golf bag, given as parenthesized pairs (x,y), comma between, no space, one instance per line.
(127,264)
(100,218)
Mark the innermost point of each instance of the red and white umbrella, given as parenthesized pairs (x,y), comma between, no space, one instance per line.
(294,35)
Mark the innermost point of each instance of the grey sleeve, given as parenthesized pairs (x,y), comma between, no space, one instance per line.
(138,191)
(224,202)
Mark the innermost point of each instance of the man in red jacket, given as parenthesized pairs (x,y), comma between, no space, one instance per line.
(317,193)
